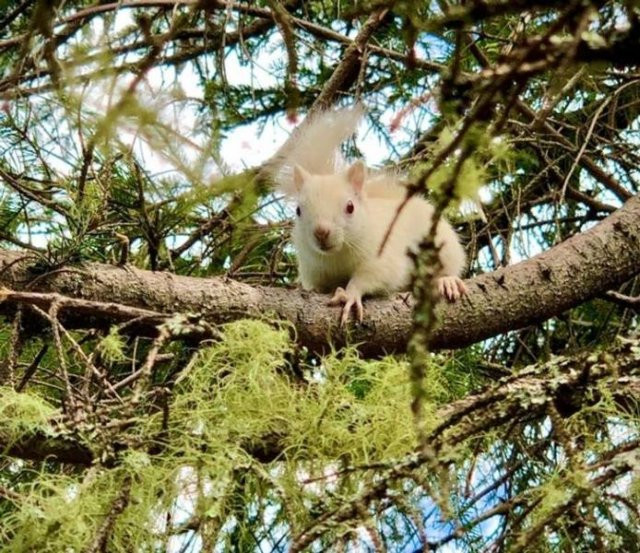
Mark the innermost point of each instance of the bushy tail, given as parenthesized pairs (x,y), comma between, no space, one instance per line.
(315,146)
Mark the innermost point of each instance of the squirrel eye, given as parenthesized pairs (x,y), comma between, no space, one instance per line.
(298,212)
(349,208)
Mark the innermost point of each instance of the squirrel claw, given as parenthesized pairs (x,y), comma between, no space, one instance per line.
(451,287)
(341,296)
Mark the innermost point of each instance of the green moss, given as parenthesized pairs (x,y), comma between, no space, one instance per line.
(23,414)
(237,410)
(251,438)
(111,347)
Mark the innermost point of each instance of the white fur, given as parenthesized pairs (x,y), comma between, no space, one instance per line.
(349,256)
(356,238)
(314,145)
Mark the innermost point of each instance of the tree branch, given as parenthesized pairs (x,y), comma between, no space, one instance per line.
(582,267)
(38,447)
(348,68)
(625,301)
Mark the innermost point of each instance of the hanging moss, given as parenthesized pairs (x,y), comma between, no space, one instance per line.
(249,444)
(238,395)
(23,414)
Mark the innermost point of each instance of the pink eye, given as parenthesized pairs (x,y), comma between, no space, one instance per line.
(349,209)
(298,212)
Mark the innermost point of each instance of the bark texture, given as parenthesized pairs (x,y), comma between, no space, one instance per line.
(529,292)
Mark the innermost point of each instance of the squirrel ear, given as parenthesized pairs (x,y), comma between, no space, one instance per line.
(299,176)
(356,175)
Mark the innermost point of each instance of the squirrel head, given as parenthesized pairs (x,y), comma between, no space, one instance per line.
(331,209)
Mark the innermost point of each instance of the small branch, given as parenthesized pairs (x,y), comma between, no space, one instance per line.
(625,301)
(32,368)
(101,541)
(348,68)
(17,11)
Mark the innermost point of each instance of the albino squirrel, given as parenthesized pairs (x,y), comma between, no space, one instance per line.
(343,213)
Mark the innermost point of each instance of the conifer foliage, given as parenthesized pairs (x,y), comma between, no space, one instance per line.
(165,386)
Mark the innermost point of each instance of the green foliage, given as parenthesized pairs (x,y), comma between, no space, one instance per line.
(111,347)
(463,181)
(23,414)
(255,444)
(65,512)
(237,394)
(239,391)
(112,130)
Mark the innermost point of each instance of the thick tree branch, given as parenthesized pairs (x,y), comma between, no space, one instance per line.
(527,293)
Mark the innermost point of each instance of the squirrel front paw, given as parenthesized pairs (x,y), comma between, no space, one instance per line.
(349,299)
(451,287)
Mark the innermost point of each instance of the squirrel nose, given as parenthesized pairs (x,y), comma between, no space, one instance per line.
(321,233)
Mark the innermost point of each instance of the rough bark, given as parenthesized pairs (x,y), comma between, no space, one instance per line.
(527,293)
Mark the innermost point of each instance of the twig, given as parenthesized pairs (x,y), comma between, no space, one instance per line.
(120,503)
(621,299)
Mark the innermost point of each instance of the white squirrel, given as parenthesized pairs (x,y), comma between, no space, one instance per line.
(343,214)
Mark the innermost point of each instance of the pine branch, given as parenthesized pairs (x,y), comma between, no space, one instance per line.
(581,268)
